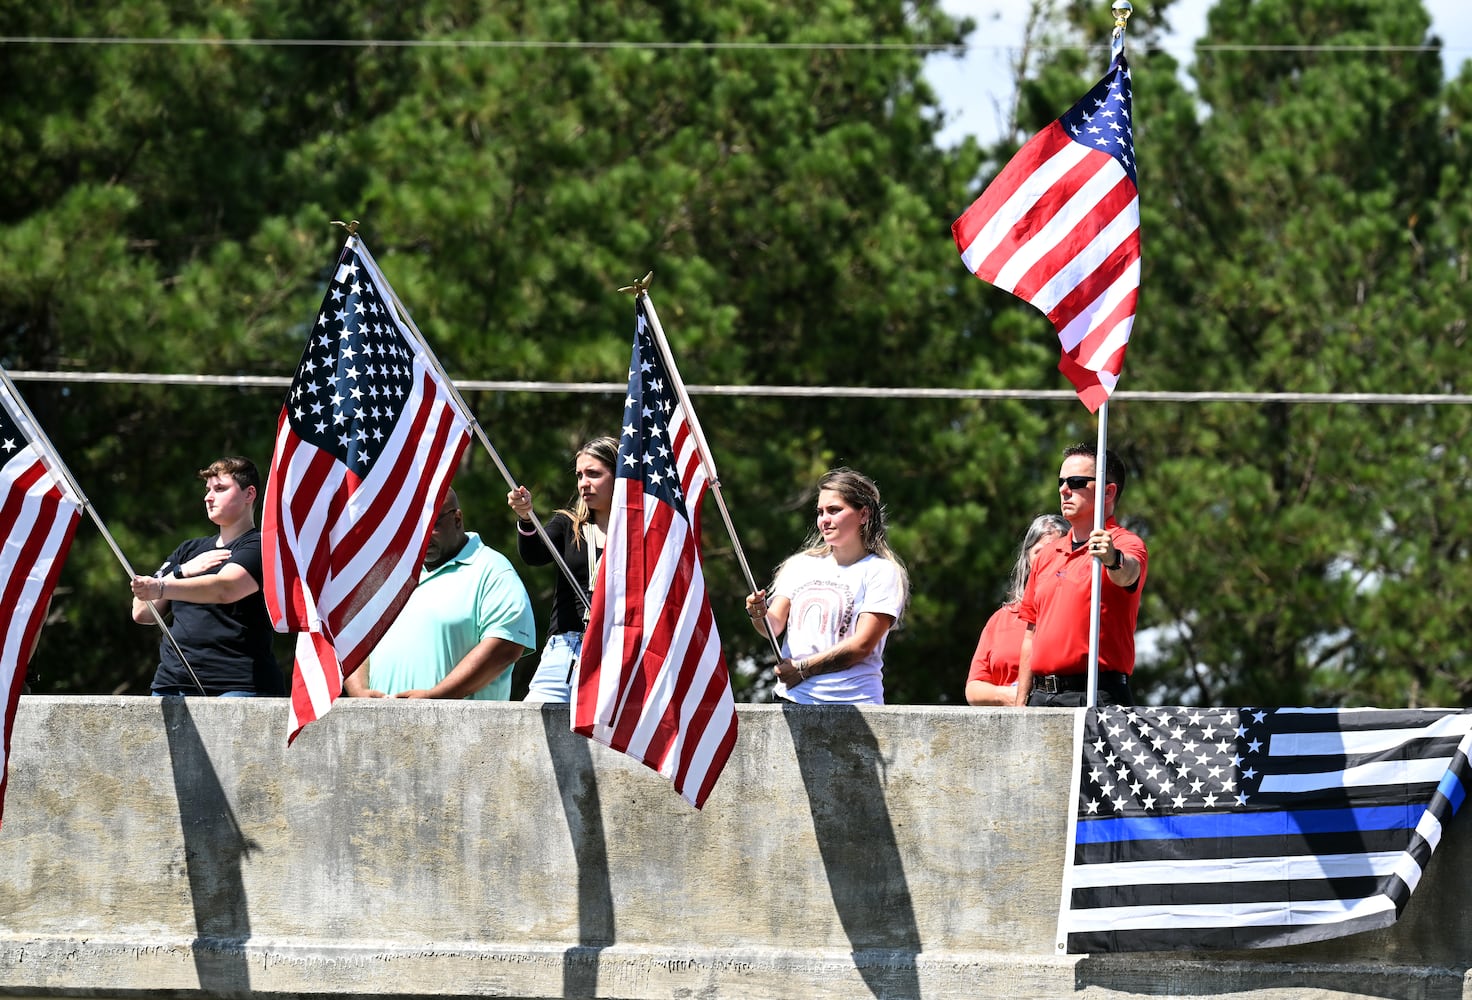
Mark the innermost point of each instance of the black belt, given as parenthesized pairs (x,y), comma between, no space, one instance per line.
(1053,683)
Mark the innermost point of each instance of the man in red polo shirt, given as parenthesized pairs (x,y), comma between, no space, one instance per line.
(1056,605)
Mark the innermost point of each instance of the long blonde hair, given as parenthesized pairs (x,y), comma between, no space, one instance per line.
(604,451)
(859,492)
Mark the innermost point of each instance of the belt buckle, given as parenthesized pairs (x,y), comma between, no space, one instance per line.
(1047,683)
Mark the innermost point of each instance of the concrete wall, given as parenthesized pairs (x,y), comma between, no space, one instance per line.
(170,847)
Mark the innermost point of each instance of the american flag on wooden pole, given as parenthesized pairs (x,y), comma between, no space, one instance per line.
(39,510)
(366,445)
(1059,228)
(1200,828)
(652,680)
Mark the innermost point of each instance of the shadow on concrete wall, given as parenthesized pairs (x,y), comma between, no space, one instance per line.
(577,786)
(214,849)
(842,771)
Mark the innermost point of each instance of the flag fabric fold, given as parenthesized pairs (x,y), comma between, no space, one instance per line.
(1243,828)
(652,680)
(38,517)
(1059,227)
(366,446)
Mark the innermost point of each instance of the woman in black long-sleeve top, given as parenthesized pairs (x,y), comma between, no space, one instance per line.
(578,535)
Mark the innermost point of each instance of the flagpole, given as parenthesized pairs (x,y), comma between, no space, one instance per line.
(51,458)
(1096,571)
(465,410)
(1122,10)
(641,290)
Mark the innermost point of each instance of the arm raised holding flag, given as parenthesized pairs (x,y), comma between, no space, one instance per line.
(1059,228)
(652,681)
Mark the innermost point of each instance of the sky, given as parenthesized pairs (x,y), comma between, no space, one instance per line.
(976,90)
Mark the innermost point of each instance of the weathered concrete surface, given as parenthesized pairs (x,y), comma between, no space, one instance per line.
(414,849)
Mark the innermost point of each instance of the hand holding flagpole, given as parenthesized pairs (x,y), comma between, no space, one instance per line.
(1122,10)
(651,678)
(1059,228)
(52,459)
(1096,569)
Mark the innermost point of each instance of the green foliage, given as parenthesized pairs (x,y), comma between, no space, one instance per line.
(1306,223)
(164,209)
(1297,240)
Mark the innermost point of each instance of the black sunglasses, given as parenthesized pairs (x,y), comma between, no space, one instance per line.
(1074,482)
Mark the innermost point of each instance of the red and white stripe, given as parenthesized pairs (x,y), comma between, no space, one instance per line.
(342,554)
(1060,228)
(652,680)
(38,517)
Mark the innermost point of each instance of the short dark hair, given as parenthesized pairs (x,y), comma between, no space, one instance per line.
(1114,470)
(242,470)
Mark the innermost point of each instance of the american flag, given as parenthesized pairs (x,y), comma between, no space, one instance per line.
(38,516)
(1059,227)
(366,446)
(652,681)
(1249,828)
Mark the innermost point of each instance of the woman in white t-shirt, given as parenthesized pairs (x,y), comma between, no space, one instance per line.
(836,600)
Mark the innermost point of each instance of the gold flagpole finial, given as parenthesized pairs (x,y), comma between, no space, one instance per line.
(639,287)
(1122,11)
(351,227)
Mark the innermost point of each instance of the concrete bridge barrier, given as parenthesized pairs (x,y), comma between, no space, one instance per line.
(170,847)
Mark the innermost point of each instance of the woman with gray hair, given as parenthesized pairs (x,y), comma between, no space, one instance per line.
(992,679)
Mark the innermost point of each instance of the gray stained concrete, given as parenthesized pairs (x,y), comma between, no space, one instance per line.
(418,849)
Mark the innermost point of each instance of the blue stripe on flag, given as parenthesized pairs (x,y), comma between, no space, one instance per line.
(1258,824)
(1451,786)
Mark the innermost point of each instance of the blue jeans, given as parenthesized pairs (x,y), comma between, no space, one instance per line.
(550,682)
(176,692)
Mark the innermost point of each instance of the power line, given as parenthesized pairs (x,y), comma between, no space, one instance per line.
(959,48)
(281,382)
(479,43)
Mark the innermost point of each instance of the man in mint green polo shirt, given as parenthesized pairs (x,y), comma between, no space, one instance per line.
(465,625)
